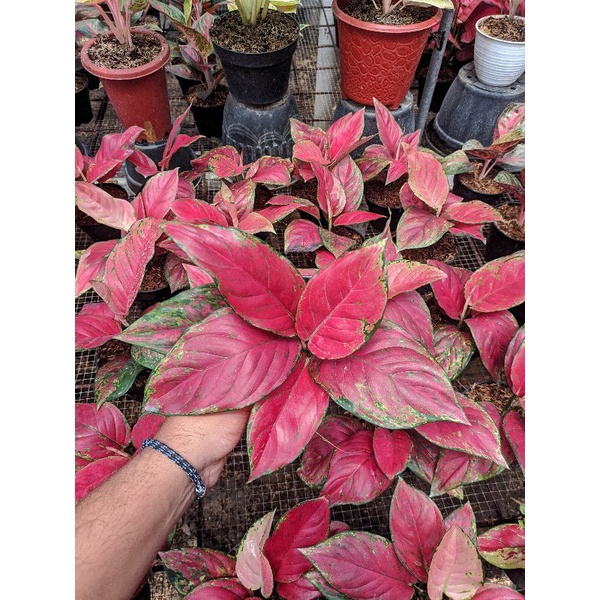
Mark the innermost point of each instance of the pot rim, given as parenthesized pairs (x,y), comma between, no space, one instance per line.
(131,73)
(489,37)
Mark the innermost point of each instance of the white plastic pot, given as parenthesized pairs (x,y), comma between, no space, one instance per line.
(497,62)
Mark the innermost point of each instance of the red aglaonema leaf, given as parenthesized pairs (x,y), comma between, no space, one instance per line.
(256,223)
(388,128)
(463,517)
(450,472)
(157,195)
(391,381)
(455,569)
(219,364)
(91,265)
(408,275)
(348,174)
(503,546)
(197,276)
(320,583)
(252,567)
(426,178)
(333,318)
(102,207)
(409,312)
(96,473)
(301,236)
(473,212)
(115,377)
(330,191)
(362,566)
(417,528)
(187,568)
(336,244)
(418,228)
(392,450)
(317,455)
(498,285)
(126,265)
(162,326)
(453,349)
(513,426)
(345,134)
(306,524)
(494,591)
(282,424)
(192,210)
(99,432)
(449,292)
(270,170)
(479,438)
(225,588)
(507,451)
(356,216)
(423,457)
(299,589)
(514,363)
(337,527)
(354,476)
(175,274)
(145,427)
(302,204)
(275,214)
(492,333)
(225,162)
(95,324)
(262,286)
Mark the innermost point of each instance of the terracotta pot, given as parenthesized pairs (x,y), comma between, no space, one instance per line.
(379,60)
(138,95)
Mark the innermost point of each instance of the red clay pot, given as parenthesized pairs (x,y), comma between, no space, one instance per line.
(379,60)
(139,95)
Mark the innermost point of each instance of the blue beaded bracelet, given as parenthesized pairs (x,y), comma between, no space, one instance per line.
(180,461)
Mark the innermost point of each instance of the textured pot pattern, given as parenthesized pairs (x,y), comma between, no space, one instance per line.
(139,95)
(497,62)
(379,60)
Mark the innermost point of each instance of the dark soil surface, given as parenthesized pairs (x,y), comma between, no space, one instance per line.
(385,195)
(483,186)
(306,189)
(275,32)
(510,226)
(443,250)
(349,233)
(503,28)
(217,98)
(107,52)
(262,195)
(364,10)
(498,395)
(154,277)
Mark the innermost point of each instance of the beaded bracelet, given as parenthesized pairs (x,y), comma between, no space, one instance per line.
(180,461)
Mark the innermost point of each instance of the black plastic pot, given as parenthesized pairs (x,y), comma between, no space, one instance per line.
(444,81)
(209,119)
(83,106)
(499,244)
(468,193)
(373,190)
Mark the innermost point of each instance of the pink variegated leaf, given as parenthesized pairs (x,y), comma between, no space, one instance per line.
(503,546)
(145,427)
(95,324)
(345,133)
(391,252)
(261,285)
(453,349)
(409,312)
(396,169)
(243,193)
(198,276)
(305,525)
(99,432)
(274,214)
(308,151)
(349,176)
(302,204)
(162,326)
(391,381)
(317,455)
(408,199)
(479,438)
(512,118)
(450,472)
(337,527)
(417,528)
(362,566)
(373,160)
(181,141)
(423,457)
(96,473)
(407,275)
(498,285)
(301,236)
(144,165)
(325,589)
(492,333)
(192,210)
(173,135)
(331,318)
(223,201)
(91,265)
(225,162)
(418,228)
(301,131)
(336,244)
(330,192)
(356,216)
(475,231)
(219,364)
(102,207)
(115,378)
(199,165)
(495,151)
(449,292)
(494,591)
(252,567)
(426,178)
(224,588)
(455,571)
(513,426)
(299,589)
(514,363)
(256,223)
(390,132)
(185,188)
(463,517)
(114,150)
(282,424)
(175,274)
(354,476)
(507,451)
(322,258)
(392,450)
(126,265)
(187,568)
(270,170)
(473,212)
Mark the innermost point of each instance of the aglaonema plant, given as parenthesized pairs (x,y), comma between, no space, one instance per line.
(357,333)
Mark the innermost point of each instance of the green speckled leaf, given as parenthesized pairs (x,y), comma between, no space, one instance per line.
(115,378)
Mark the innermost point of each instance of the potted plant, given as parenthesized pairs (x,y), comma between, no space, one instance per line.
(499,51)
(129,62)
